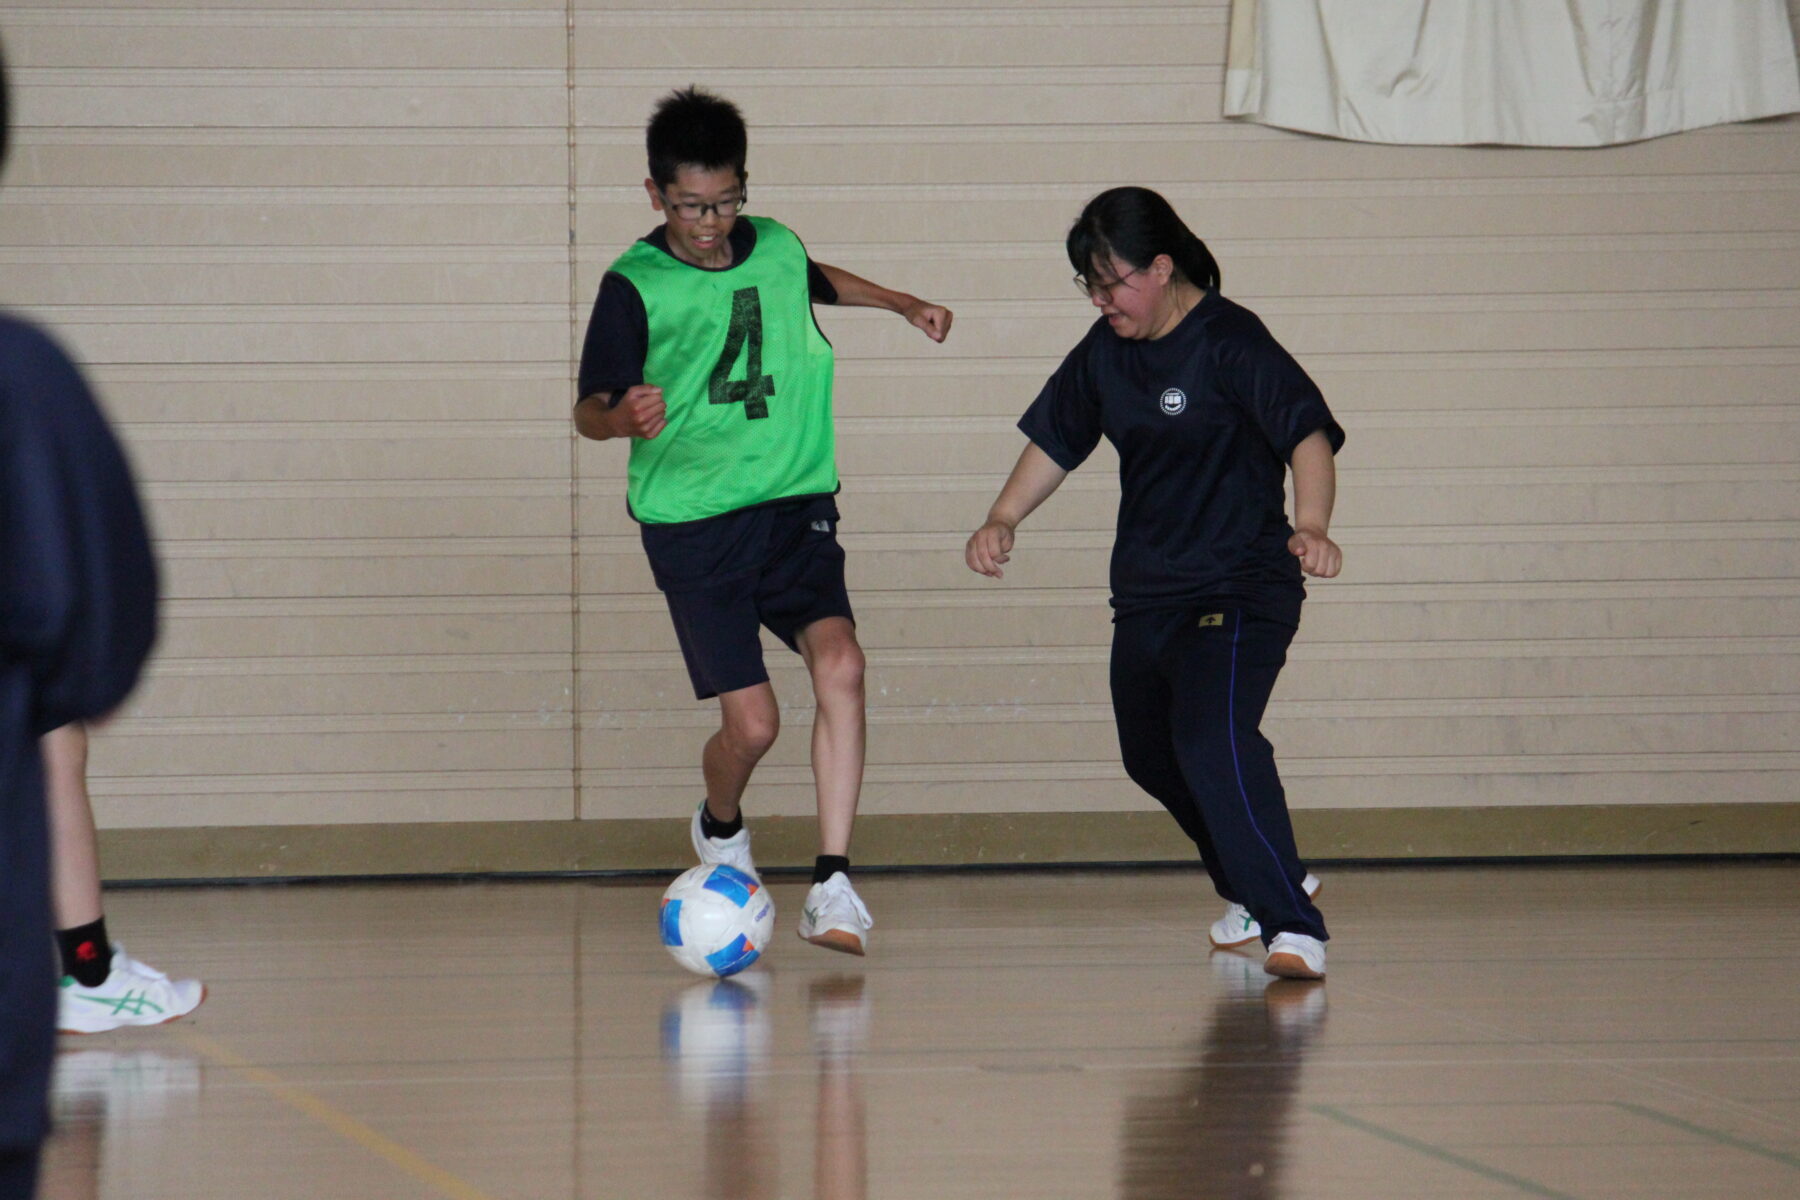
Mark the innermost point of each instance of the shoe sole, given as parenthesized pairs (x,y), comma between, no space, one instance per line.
(138,1024)
(1253,937)
(837,939)
(1290,966)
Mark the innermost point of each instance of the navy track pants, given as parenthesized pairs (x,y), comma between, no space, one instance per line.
(1189,687)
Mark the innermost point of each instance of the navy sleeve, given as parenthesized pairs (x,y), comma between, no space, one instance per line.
(618,339)
(1278,394)
(78,592)
(1064,420)
(818,285)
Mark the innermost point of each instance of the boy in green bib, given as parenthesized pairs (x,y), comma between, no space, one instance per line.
(702,349)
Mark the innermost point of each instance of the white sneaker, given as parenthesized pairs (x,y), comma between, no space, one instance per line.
(131,994)
(734,850)
(1296,956)
(833,916)
(1237,927)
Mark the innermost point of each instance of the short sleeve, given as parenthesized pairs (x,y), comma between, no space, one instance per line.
(817,286)
(1064,420)
(1281,398)
(820,287)
(618,339)
(79,592)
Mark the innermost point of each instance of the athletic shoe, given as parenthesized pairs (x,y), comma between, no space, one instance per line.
(834,916)
(1238,928)
(1296,956)
(131,994)
(734,850)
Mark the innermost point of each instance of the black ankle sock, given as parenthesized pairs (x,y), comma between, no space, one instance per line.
(712,827)
(86,954)
(827,865)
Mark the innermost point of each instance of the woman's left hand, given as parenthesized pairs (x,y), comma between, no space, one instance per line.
(1318,554)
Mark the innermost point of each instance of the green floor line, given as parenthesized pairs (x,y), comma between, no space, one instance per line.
(1446,1156)
(1711,1135)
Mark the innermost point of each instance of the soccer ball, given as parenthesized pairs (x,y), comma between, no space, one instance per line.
(716,919)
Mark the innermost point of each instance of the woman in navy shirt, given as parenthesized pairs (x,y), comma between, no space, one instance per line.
(1207,412)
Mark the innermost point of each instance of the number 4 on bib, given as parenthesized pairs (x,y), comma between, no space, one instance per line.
(743,340)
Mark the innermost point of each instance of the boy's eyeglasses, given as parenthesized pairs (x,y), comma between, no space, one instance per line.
(688,210)
(1102,291)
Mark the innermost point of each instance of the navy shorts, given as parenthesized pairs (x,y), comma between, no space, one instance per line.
(777,566)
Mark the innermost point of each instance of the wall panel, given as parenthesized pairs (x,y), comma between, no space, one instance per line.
(316,259)
(329,265)
(1567,503)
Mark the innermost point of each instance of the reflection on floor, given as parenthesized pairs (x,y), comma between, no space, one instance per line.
(1582,1032)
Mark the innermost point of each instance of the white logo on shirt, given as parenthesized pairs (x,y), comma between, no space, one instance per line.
(1173,401)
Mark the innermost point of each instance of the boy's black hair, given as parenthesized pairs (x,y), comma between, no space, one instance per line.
(1134,225)
(694,128)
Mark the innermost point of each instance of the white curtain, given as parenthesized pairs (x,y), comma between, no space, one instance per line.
(1519,72)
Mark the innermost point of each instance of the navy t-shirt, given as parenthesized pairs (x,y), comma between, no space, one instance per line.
(1205,419)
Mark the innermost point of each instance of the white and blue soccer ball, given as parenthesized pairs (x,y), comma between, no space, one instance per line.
(717,920)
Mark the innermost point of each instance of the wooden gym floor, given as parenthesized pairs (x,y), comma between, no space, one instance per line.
(1539,1031)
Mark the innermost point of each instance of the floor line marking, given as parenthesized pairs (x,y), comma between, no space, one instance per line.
(1713,1135)
(339,1122)
(1442,1155)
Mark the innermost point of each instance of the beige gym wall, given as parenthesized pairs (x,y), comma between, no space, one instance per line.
(329,265)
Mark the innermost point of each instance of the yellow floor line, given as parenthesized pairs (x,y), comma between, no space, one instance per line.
(341,1123)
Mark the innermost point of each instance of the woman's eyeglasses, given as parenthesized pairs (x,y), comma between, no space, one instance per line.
(1095,290)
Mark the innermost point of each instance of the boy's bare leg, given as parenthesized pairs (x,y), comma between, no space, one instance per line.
(749,721)
(74,846)
(835,661)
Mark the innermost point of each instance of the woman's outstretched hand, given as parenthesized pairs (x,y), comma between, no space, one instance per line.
(1318,554)
(988,548)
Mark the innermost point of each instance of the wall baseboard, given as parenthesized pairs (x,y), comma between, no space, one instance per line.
(982,839)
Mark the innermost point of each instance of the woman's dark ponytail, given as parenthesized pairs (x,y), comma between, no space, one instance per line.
(1196,263)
